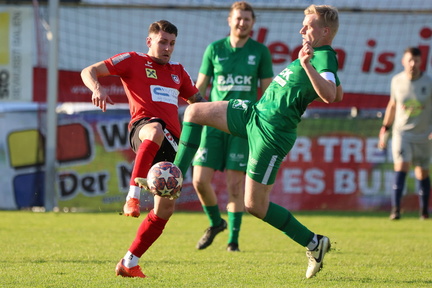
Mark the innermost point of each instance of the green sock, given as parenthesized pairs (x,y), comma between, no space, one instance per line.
(213,215)
(283,220)
(234,223)
(189,142)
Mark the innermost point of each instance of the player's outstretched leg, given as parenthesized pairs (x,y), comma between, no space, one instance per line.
(209,235)
(316,256)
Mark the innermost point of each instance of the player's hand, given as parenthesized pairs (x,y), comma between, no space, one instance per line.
(383,137)
(100,98)
(306,52)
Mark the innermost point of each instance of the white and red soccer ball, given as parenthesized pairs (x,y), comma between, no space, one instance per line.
(165,179)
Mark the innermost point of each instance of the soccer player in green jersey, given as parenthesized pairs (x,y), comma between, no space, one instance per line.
(270,125)
(234,65)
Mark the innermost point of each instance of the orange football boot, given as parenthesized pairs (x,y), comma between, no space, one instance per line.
(129,272)
(132,208)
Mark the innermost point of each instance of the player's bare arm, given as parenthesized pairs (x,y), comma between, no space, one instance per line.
(202,83)
(90,76)
(389,116)
(196,98)
(390,113)
(339,95)
(325,89)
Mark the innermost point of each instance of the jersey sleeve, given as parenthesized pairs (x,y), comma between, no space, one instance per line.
(119,64)
(327,62)
(207,62)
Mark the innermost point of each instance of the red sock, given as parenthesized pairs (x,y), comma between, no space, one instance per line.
(143,160)
(148,232)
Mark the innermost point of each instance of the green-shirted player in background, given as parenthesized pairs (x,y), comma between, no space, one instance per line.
(270,125)
(235,65)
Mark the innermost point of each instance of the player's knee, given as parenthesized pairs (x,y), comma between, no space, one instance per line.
(252,210)
(152,132)
(199,185)
(190,113)
(165,210)
(236,193)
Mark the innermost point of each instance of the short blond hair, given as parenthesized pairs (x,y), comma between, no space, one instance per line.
(328,16)
(242,5)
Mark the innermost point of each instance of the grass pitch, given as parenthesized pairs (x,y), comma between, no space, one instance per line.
(82,249)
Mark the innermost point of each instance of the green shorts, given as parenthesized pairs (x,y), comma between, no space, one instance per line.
(220,151)
(267,146)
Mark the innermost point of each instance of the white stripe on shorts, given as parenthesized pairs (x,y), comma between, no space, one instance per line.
(269,170)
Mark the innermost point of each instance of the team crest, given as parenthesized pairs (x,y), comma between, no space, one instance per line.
(151,73)
(175,78)
(251,60)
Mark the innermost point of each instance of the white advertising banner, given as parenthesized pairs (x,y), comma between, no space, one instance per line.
(369,44)
(16,52)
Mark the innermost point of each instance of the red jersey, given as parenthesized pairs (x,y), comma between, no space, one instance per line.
(152,89)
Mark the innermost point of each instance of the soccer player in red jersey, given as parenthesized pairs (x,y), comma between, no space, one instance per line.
(153,85)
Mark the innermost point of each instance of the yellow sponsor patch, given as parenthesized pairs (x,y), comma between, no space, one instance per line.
(151,73)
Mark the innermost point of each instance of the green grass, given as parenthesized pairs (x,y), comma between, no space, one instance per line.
(82,249)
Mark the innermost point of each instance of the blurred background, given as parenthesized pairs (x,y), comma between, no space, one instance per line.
(334,165)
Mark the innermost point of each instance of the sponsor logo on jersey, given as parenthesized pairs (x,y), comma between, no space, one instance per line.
(164,94)
(412,107)
(251,60)
(175,78)
(222,59)
(149,64)
(234,82)
(117,59)
(151,73)
(283,77)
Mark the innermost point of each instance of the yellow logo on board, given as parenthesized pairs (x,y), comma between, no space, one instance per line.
(4,36)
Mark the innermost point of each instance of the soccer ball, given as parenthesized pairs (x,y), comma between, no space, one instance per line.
(165,179)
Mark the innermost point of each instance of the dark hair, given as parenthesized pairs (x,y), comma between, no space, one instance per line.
(162,25)
(413,50)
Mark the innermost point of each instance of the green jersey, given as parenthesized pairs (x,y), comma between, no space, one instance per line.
(289,94)
(236,71)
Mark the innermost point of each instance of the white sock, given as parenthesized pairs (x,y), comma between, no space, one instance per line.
(134,192)
(130,260)
(313,244)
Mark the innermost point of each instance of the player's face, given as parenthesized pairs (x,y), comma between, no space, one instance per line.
(240,23)
(161,46)
(411,65)
(313,32)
